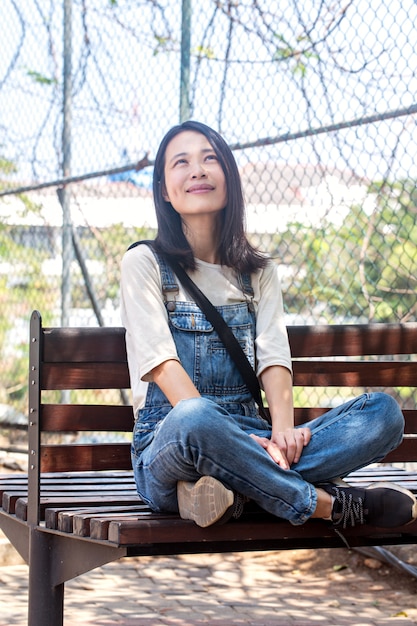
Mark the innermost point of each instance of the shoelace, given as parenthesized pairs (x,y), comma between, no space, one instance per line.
(351,510)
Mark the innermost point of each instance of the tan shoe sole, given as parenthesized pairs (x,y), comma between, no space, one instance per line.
(205,502)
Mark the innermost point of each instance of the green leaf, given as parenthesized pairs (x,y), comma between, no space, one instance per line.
(41,79)
(204,51)
(7,167)
(161,44)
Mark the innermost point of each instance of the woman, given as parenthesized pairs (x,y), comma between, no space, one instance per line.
(200,447)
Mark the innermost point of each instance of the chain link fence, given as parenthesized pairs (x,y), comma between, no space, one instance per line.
(317,100)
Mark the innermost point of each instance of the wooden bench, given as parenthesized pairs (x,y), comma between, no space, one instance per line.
(77,508)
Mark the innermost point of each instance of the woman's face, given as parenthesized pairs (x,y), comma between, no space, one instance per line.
(195,183)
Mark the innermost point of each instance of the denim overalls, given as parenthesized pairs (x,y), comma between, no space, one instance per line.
(201,351)
(210,435)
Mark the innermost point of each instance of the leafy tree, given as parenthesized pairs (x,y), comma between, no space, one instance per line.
(368,265)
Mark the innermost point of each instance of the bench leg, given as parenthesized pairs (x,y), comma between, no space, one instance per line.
(46,601)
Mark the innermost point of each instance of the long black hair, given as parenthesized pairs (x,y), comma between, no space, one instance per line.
(234,249)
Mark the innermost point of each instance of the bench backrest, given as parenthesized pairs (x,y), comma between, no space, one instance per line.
(95,358)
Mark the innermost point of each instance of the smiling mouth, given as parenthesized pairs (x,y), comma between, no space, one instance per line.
(200,189)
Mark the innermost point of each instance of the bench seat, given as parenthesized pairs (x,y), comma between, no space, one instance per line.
(104,506)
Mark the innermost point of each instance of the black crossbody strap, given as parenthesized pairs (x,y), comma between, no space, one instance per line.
(226,335)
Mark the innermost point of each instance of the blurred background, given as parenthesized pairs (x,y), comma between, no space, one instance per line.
(317,100)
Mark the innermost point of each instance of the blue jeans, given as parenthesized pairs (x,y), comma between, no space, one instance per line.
(199,437)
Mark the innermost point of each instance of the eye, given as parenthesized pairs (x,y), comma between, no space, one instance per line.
(180,162)
(211,157)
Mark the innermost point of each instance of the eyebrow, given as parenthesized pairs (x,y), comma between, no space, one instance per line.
(182,154)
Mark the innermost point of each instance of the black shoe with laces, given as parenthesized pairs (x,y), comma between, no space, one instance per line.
(384,505)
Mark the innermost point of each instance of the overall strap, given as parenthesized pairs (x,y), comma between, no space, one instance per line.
(226,335)
(170,287)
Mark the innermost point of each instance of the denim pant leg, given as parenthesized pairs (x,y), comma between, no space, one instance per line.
(199,438)
(357,433)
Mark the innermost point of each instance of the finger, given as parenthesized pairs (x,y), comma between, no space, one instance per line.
(303,438)
(299,449)
(262,441)
(278,455)
(306,435)
(281,460)
(294,444)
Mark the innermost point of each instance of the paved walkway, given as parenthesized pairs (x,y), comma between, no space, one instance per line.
(257,589)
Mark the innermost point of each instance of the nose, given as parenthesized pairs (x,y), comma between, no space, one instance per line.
(198,171)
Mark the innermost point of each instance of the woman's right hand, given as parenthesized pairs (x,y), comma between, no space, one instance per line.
(285,447)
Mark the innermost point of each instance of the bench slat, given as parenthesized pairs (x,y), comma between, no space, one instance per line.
(307,374)
(61,458)
(406,452)
(83,345)
(355,374)
(84,523)
(107,344)
(10,498)
(265,529)
(353,340)
(85,376)
(306,414)
(83,417)
(117,456)
(61,518)
(63,500)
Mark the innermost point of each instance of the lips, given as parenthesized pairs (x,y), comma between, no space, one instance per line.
(201,188)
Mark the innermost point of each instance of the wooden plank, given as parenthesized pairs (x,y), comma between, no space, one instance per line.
(60,518)
(72,485)
(10,498)
(78,521)
(108,344)
(406,452)
(261,529)
(306,414)
(410,416)
(79,478)
(69,480)
(11,485)
(13,479)
(84,344)
(355,373)
(84,457)
(387,470)
(99,526)
(83,524)
(115,376)
(117,456)
(323,340)
(95,375)
(84,417)
(74,501)
(89,475)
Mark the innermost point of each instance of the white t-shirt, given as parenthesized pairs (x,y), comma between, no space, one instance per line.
(148,339)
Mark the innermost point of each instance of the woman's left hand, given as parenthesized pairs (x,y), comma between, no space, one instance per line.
(285,447)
